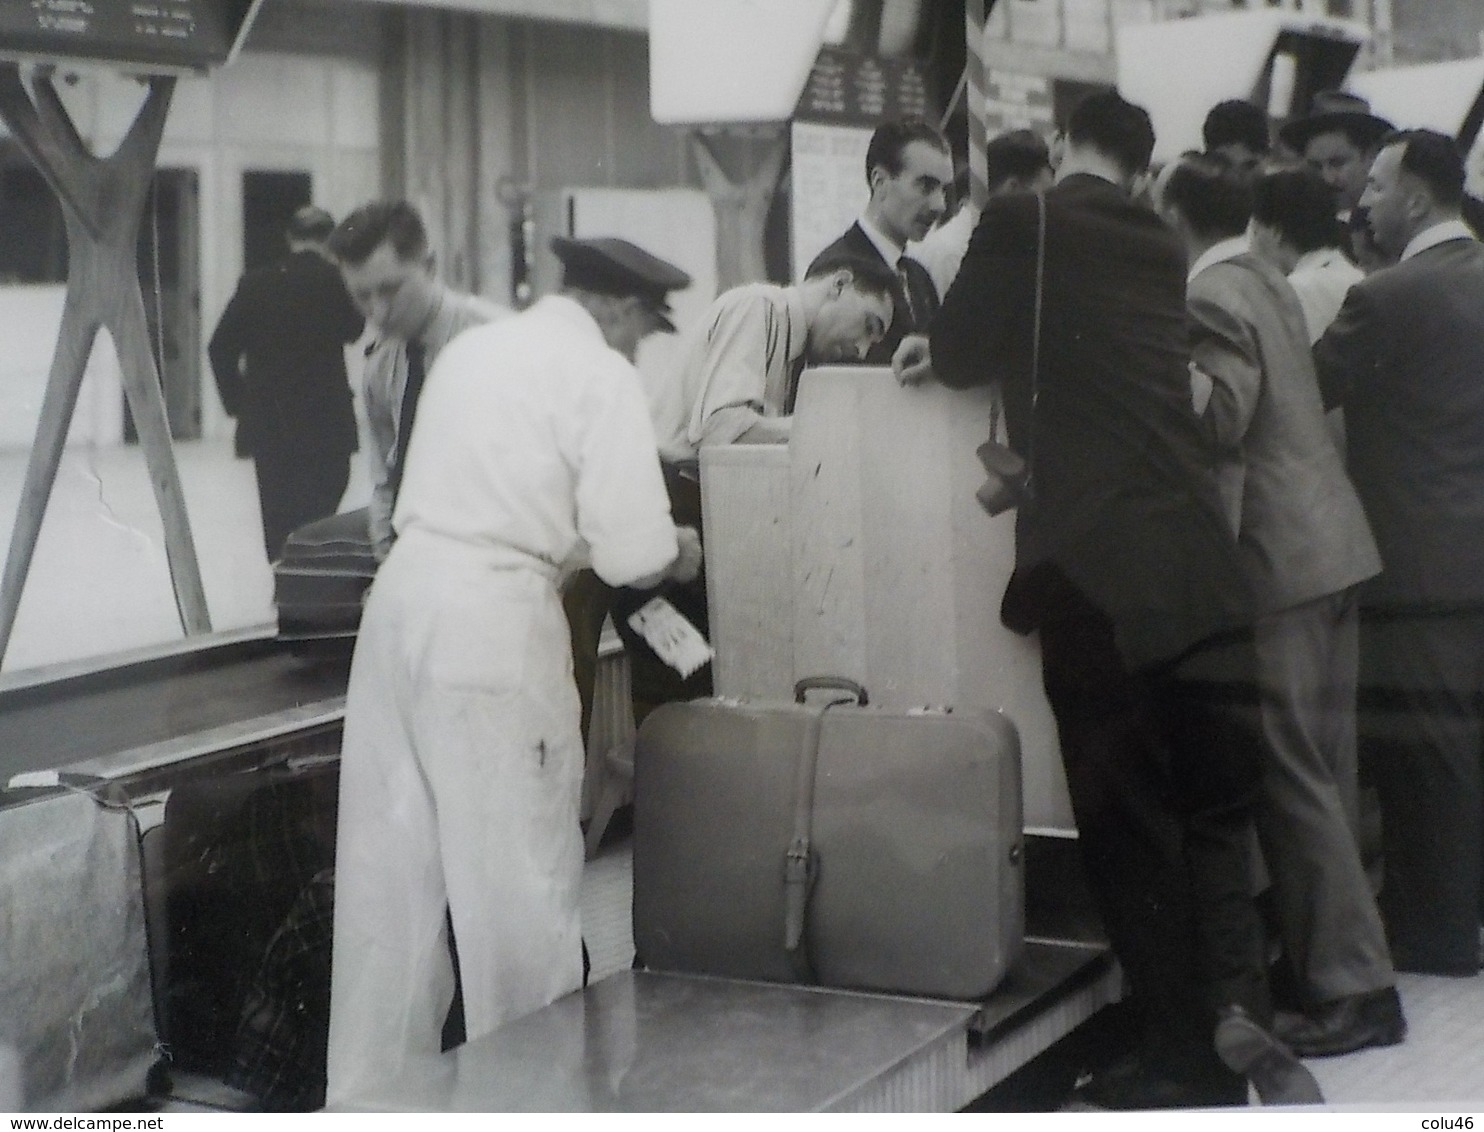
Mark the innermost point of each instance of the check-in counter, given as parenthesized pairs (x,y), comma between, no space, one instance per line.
(859,550)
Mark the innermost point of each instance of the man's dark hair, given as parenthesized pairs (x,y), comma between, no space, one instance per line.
(1115,127)
(1432,158)
(1015,153)
(381,222)
(892,138)
(1298,203)
(1237,121)
(869,275)
(1212,194)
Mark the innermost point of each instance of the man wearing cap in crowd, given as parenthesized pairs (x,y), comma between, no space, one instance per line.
(1338,139)
(462,760)
(278,354)
(389,267)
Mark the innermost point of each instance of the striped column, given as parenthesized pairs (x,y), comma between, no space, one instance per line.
(974,15)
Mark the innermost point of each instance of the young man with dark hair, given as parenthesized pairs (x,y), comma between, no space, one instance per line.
(1404,359)
(1163,775)
(1294,228)
(390,270)
(1238,130)
(1306,548)
(909,171)
(738,370)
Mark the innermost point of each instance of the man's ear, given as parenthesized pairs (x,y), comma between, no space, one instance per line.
(842,278)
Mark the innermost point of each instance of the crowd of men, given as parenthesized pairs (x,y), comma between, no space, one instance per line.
(1252,547)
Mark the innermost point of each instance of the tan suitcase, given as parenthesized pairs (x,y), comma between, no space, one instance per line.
(847,846)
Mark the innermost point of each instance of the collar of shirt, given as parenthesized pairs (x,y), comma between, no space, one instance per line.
(1439,233)
(1318,260)
(798,322)
(1218,253)
(571,312)
(889,250)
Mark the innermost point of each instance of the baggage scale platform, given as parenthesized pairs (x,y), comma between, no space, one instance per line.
(642,1041)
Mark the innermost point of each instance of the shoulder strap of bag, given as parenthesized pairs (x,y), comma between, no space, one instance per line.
(995,405)
(1030,436)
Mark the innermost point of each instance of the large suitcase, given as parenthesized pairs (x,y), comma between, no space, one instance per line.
(841,845)
(320,581)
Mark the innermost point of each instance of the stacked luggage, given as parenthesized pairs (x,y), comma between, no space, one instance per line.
(320,582)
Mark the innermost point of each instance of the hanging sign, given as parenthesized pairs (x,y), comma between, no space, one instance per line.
(147,35)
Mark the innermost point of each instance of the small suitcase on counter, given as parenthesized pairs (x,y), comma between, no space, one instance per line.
(829,843)
(320,581)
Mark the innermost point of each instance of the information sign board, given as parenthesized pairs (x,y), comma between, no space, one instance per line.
(146,35)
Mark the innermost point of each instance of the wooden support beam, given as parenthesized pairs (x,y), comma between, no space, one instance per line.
(103,201)
(740,167)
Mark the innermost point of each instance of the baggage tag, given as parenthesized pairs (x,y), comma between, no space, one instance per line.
(674,639)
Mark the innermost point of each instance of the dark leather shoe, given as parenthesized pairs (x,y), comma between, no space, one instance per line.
(1344,1025)
(1251,1051)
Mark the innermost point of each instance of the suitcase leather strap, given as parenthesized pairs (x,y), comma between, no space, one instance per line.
(801,863)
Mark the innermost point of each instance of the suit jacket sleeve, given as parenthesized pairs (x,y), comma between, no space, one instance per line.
(1224,348)
(228,344)
(988,309)
(1350,349)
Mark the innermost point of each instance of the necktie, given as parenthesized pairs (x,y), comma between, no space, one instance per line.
(416,371)
(791,392)
(905,279)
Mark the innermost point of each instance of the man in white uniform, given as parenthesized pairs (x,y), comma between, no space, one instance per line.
(462,760)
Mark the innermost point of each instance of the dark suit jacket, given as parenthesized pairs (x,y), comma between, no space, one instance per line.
(1405,357)
(924,299)
(278,354)
(1126,503)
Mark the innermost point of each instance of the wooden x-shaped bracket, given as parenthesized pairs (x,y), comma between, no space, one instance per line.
(103,201)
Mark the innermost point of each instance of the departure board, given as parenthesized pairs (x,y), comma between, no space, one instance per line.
(166,35)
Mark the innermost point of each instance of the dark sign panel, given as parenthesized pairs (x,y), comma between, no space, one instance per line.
(167,35)
(847,88)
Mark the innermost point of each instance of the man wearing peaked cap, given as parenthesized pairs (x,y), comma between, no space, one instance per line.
(610,266)
(462,759)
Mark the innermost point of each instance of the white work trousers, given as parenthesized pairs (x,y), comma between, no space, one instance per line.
(459,787)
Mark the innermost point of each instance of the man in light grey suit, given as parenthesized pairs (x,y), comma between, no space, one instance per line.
(1306,547)
(1405,357)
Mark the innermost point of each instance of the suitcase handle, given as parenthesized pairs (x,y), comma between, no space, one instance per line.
(834,683)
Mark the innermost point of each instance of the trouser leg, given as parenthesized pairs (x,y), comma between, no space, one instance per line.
(1134,843)
(1207,708)
(295,488)
(497,722)
(1421,741)
(391,979)
(1327,915)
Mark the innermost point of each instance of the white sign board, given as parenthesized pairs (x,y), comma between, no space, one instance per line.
(828,187)
(731,60)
